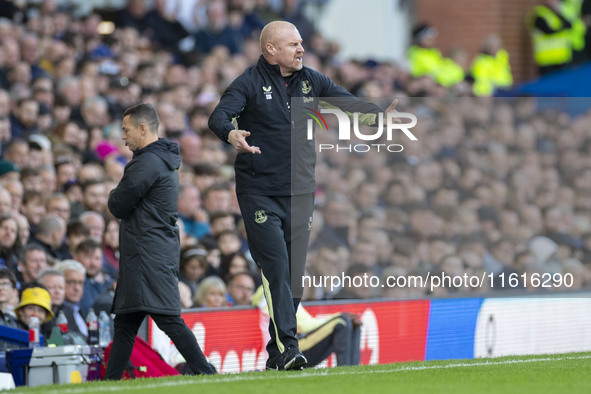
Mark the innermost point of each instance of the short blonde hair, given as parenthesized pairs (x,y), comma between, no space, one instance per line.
(209,283)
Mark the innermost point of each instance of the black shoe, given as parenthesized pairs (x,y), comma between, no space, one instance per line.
(293,359)
(208,369)
(274,363)
(212,370)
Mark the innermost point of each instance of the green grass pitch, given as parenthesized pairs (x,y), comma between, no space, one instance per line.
(559,373)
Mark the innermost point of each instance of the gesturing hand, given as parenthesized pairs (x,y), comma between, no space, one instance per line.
(392,108)
(238,140)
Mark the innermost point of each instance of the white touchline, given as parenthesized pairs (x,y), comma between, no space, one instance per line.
(237,377)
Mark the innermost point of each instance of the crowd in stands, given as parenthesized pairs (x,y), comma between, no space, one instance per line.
(490,186)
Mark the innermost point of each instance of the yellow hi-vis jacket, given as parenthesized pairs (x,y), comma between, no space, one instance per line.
(571,10)
(450,73)
(491,72)
(424,61)
(550,49)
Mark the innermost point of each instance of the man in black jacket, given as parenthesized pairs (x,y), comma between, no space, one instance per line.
(146,202)
(278,177)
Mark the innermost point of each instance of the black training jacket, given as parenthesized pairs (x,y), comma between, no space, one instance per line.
(261,102)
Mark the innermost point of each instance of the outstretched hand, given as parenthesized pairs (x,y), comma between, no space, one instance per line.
(392,108)
(238,140)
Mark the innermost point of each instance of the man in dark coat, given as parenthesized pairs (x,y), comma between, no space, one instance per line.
(146,202)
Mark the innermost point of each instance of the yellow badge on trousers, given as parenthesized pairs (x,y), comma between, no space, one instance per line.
(260,217)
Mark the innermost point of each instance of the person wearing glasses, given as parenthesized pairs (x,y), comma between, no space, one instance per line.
(75,275)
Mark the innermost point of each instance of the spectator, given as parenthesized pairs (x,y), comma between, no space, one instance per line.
(206,174)
(95,223)
(217,32)
(111,246)
(240,287)
(94,112)
(217,198)
(30,53)
(35,301)
(326,261)
(190,144)
(233,263)
(94,196)
(218,222)
(16,190)
(76,232)
(133,15)
(364,252)
(50,235)
(338,221)
(104,301)
(7,290)
(10,246)
(33,260)
(193,216)
(23,229)
(31,178)
(193,268)
(292,12)
(17,151)
(90,174)
(55,283)
(211,293)
(65,171)
(67,133)
(228,242)
(358,287)
(33,208)
(90,254)
(164,28)
(23,119)
(5,202)
(48,176)
(75,274)
(9,171)
(58,204)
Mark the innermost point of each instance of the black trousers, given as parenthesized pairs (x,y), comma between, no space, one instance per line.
(339,336)
(126,327)
(278,230)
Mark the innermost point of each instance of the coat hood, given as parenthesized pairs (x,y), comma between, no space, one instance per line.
(167,150)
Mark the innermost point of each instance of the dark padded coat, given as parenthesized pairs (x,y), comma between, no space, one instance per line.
(146,202)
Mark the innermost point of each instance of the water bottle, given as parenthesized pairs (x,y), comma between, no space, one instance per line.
(92,324)
(104,329)
(34,326)
(62,322)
